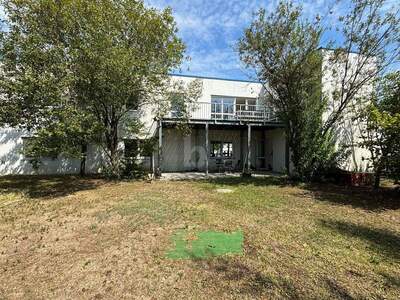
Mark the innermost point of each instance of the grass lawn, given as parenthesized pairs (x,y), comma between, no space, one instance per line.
(66,237)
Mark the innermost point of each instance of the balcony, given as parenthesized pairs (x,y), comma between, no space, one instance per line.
(222,112)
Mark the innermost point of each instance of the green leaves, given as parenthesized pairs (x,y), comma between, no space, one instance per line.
(284,51)
(382,132)
(181,98)
(72,67)
(283,48)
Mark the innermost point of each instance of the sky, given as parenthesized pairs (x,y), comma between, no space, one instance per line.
(211,28)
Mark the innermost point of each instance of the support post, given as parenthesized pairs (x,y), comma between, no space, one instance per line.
(247,170)
(159,167)
(287,156)
(207,149)
(249,148)
(153,169)
(242,164)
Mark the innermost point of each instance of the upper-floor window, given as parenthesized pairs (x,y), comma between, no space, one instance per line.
(246,104)
(135,147)
(222,107)
(178,105)
(228,108)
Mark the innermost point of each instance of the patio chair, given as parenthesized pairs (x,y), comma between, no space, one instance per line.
(219,162)
(228,165)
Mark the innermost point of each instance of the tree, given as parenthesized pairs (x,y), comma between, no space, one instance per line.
(371,44)
(180,99)
(82,65)
(283,47)
(371,37)
(382,134)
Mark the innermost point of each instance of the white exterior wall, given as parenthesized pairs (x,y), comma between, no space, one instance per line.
(211,87)
(348,129)
(187,153)
(218,87)
(276,149)
(13,162)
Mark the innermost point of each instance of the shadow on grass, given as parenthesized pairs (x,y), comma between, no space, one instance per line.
(47,186)
(391,280)
(336,290)
(255,181)
(251,282)
(382,241)
(358,197)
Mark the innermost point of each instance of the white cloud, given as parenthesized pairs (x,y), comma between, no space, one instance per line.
(210,28)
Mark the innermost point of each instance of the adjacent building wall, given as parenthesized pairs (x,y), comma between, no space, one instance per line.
(13,162)
(348,128)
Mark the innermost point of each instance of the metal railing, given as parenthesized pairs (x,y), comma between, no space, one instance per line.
(228,112)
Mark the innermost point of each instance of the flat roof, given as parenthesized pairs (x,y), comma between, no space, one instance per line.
(337,48)
(214,78)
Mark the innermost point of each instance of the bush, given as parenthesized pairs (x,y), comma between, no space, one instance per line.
(133,170)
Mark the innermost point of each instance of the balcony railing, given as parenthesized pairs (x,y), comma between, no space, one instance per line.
(228,112)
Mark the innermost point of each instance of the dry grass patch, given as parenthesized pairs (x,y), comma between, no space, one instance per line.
(67,237)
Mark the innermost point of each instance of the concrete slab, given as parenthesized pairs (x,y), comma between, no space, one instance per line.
(202,175)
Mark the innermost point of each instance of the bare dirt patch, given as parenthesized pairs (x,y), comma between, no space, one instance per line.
(224,191)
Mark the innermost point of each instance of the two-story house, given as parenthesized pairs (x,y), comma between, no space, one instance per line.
(233,128)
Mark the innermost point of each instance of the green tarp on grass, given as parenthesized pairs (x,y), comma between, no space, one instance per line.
(205,244)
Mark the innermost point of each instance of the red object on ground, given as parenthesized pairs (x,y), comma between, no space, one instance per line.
(361,179)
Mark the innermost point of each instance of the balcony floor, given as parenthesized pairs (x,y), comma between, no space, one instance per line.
(277,124)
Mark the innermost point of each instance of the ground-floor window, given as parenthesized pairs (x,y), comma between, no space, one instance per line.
(221,149)
(27,146)
(131,148)
(30,149)
(136,147)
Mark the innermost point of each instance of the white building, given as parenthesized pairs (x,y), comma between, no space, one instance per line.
(233,128)
(225,114)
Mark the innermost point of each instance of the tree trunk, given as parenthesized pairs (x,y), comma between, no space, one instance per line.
(83,159)
(377,179)
(112,146)
(287,155)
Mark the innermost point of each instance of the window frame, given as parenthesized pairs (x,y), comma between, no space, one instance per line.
(25,143)
(223,107)
(127,142)
(140,153)
(229,107)
(219,152)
